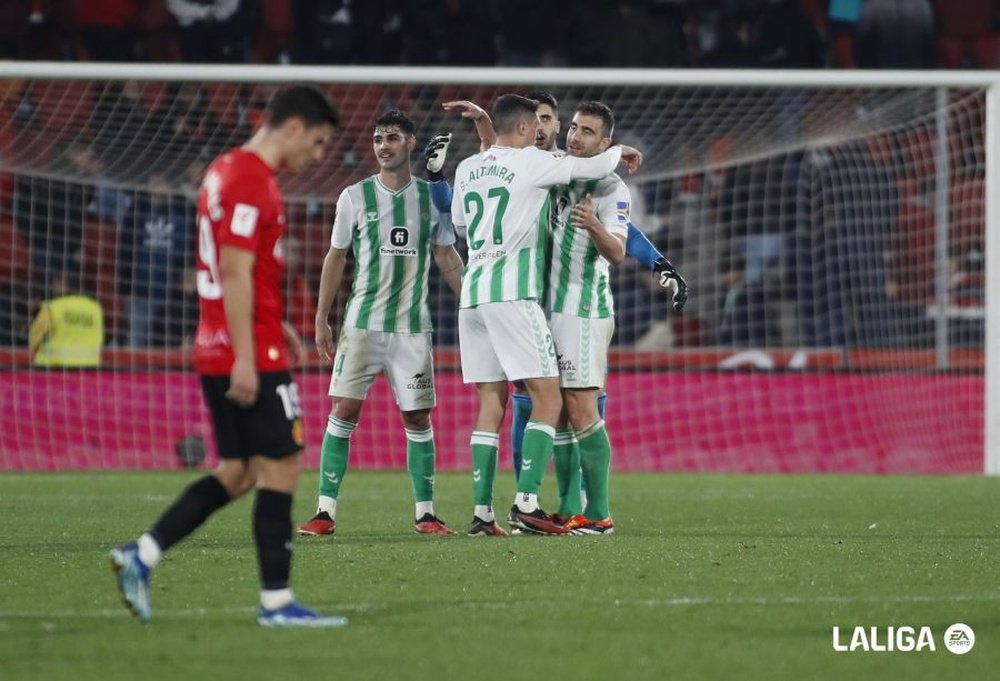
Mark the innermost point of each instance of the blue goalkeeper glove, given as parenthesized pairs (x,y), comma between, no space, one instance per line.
(434,155)
(673,282)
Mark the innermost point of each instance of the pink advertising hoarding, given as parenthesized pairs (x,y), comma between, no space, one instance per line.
(659,421)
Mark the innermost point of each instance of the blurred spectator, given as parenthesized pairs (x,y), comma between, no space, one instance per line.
(733,49)
(848,201)
(14,28)
(49,211)
(184,129)
(107,202)
(276,34)
(784,38)
(749,311)
(123,129)
(967,29)
(842,23)
(639,302)
(424,32)
(895,34)
(69,328)
(154,244)
(587,30)
(210,30)
(179,320)
(155,27)
(19,298)
(471,28)
(107,28)
(529,43)
(967,298)
(323,32)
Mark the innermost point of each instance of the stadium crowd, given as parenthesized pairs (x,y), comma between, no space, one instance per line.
(807,264)
(644,33)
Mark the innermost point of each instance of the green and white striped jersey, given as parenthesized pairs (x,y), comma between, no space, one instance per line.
(392,233)
(501,196)
(578,274)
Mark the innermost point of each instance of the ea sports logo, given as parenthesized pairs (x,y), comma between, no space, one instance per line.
(399,236)
(959,638)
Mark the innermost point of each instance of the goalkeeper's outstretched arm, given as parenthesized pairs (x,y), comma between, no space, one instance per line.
(643,250)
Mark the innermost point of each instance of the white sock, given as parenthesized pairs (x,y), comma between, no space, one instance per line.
(423,508)
(328,504)
(149,551)
(526,503)
(272,599)
(484,513)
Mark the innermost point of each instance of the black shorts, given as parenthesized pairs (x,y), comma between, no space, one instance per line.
(272,427)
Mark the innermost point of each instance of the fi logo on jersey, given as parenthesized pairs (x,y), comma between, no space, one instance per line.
(399,243)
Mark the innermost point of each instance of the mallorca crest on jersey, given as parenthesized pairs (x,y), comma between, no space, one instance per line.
(622,207)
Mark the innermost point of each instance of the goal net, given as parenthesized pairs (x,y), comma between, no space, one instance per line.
(833,239)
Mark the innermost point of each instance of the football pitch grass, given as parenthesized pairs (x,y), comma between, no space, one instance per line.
(708,577)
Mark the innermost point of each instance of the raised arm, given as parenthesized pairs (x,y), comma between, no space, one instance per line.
(478,115)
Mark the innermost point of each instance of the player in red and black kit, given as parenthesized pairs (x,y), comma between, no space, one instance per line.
(243,351)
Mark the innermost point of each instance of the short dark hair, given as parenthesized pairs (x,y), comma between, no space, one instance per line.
(509,110)
(543,97)
(600,111)
(396,118)
(301,101)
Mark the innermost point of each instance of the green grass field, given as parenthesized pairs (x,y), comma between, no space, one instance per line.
(709,577)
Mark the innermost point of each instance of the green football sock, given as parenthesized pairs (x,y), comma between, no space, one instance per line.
(595,458)
(566,455)
(484,466)
(535,454)
(336,449)
(420,463)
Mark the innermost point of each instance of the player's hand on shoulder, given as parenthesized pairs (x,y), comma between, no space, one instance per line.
(631,157)
(244,383)
(434,156)
(324,340)
(671,280)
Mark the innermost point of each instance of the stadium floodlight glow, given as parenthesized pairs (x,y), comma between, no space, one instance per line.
(838,230)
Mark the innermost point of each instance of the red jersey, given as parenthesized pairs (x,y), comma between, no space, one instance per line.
(239,205)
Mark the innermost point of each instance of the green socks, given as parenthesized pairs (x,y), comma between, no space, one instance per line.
(336,449)
(595,459)
(484,466)
(420,463)
(536,450)
(566,455)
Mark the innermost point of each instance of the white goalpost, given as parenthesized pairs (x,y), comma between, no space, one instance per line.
(838,230)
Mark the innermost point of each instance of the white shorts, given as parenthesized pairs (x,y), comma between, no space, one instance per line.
(404,357)
(581,349)
(505,341)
